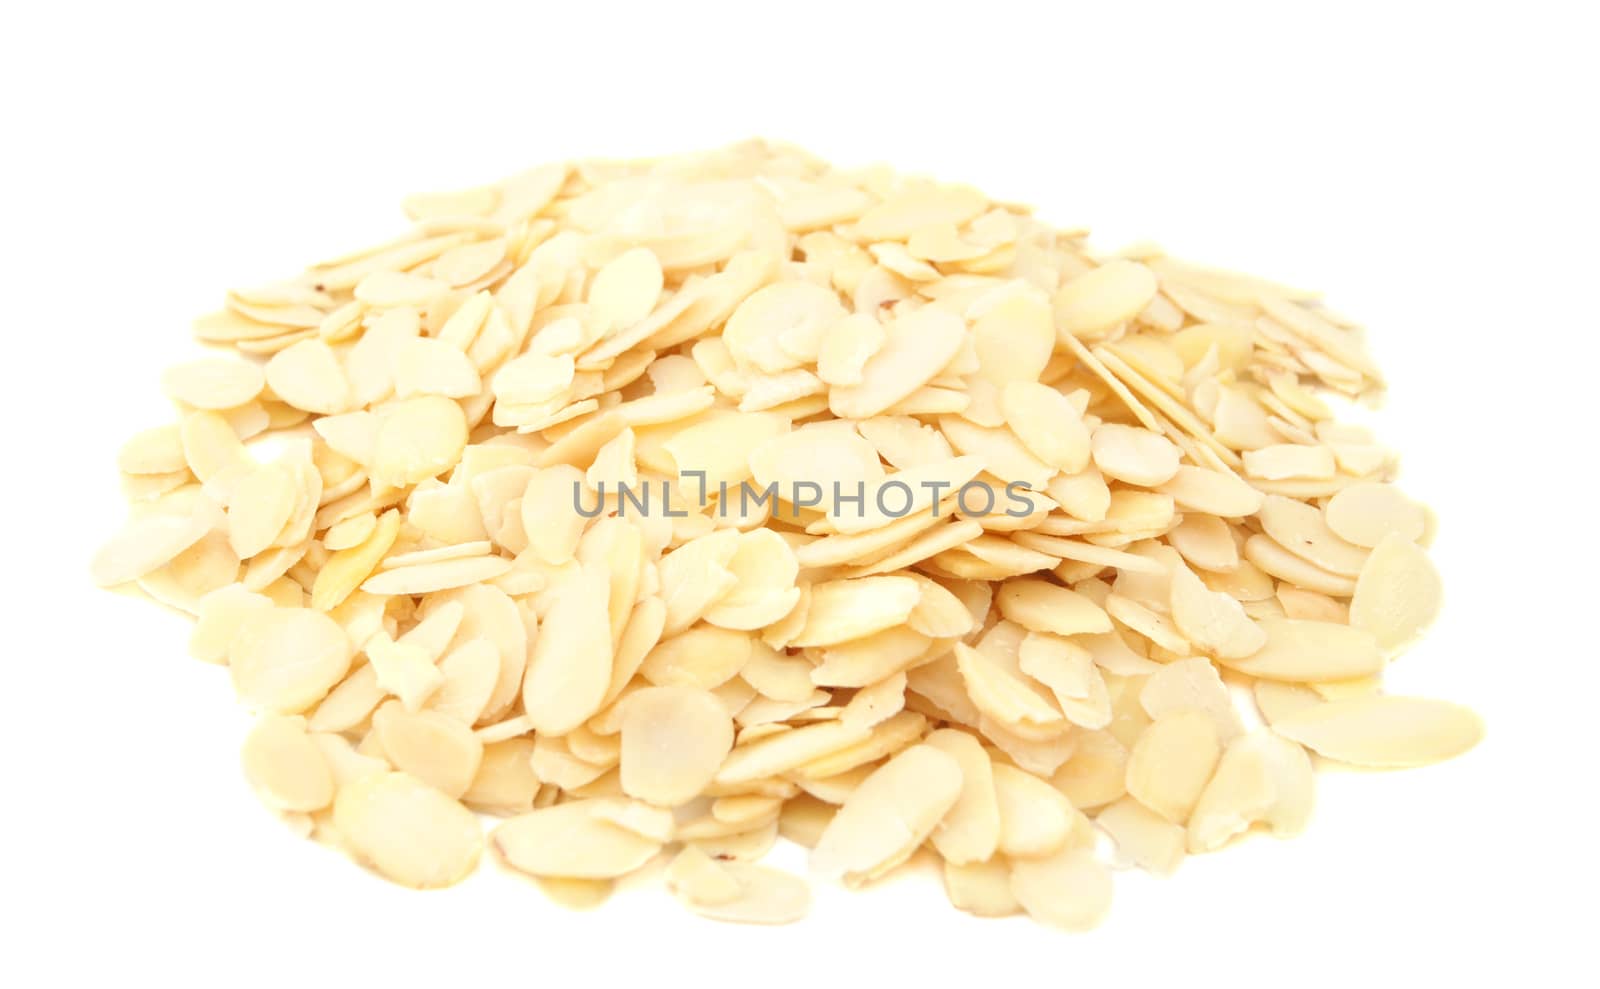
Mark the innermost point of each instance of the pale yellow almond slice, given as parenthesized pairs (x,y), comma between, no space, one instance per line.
(307,376)
(1070,890)
(1041,606)
(1143,837)
(150,541)
(218,617)
(575,894)
(842,610)
(982,889)
(1270,557)
(1169,765)
(404,669)
(443,575)
(1384,731)
(624,291)
(213,383)
(846,346)
(418,438)
(505,783)
(1187,684)
(696,878)
(885,739)
(1240,793)
(916,347)
(776,674)
(705,656)
(1035,818)
(286,659)
(1134,456)
(261,505)
(970,833)
(1048,424)
(1096,772)
(765,569)
(571,841)
(803,819)
(889,814)
(569,666)
(1212,492)
(1007,698)
(469,674)
(1286,461)
(763,896)
(1097,300)
(1398,593)
(1365,514)
(1069,671)
(426,366)
(433,747)
(407,831)
(284,767)
(345,570)
(1206,541)
(786,751)
(1301,530)
(674,739)
(779,318)
(1276,700)
(153,451)
(1301,651)
(1212,621)
(864,661)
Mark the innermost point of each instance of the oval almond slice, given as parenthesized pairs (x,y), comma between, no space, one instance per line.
(571,841)
(889,814)
(1384,731)
(285,767)
(1398,593)
(1070,890)
(1365,514)
(674,740)
(763,896)
(287,659)
(408,831)
(1302,650)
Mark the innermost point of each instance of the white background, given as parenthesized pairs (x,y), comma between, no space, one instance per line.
(1431,168)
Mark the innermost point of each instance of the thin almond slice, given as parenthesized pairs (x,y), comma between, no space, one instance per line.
(569,667)
(1301,651)
(433,747)
(285,767)
(1135,456)
(1398,593)
(982,889)
(1170,763)
(213,383)
(571,841)
(286,659)
(889,814)
(1143,837)
(1213,621)
(1365,514)
(970,833)
(763,896)
(1041,606)
(1384,731)
(1070,890)
(1301,529)
(674,739)
(1035,818)
(408,831)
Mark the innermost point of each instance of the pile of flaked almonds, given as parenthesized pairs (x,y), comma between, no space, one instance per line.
(401,515)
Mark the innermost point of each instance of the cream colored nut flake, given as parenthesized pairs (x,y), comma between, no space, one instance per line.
(462,517)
